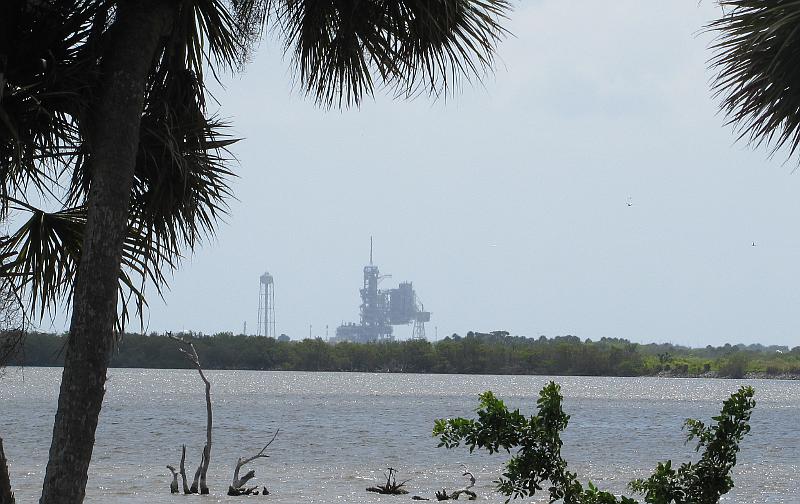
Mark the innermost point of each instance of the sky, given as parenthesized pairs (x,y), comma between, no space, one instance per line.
(507,203)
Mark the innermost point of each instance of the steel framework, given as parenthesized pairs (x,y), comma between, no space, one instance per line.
(266,306)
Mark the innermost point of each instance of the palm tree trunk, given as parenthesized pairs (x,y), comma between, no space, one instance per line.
(113,131)
(6,495)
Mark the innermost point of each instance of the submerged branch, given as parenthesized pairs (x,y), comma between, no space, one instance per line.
(238,483)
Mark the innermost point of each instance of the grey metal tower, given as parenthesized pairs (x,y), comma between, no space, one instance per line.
(266,306)
(420,317)
(374,312)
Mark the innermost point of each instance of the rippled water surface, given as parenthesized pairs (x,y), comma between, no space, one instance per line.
(339,430)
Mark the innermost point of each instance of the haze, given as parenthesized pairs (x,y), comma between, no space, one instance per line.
(507,204)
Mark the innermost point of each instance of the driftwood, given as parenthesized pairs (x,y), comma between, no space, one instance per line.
(6,495)
(237,486)
(391,487)
(247,491)
(199,482)
(443,495)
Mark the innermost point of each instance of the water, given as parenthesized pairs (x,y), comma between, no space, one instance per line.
(340,430)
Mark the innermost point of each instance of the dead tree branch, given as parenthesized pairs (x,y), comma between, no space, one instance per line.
(466,490)
(237,484)
(185,485)
(188,350)
(196,480)
(443,495)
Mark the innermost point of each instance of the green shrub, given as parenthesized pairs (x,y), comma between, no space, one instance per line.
(537,442)
(735,365)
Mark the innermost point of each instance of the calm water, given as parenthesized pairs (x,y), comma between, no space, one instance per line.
(339,430)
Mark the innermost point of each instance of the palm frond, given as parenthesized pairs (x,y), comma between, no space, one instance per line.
(343,47)
(181,185)
(49,49)
(180,181)
(757,51)
(181,178)
(204,35)
(42,257)
(250,17)
(46,251)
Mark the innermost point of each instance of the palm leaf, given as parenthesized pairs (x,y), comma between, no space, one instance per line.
(181,179)
(342,48)
(42,258)
(48,51)
(758,77)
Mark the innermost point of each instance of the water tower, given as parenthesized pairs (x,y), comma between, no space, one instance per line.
(266,306)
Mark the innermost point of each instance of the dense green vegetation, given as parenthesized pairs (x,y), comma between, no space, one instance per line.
(536,443)
(475,353)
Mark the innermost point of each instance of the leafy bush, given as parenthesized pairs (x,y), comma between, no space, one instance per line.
(537,443)
(735,365)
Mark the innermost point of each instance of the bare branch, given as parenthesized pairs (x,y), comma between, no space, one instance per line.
(471,477)
(196,480)
(202,470)
(191,353)
(183,470)
(466,490)
(238,483)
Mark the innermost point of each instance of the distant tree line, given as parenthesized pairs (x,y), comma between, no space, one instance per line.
(476,353)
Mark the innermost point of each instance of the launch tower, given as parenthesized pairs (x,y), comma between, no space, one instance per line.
(382,309)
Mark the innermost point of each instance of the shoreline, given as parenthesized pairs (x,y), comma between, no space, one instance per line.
(753,375)
(476,353)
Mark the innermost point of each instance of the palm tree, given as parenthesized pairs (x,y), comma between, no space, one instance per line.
(756,56)
(103,116)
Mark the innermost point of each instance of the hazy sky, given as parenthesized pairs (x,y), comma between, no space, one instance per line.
(507,204)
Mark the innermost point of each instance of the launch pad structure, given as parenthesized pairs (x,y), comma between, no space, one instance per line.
(380,310)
